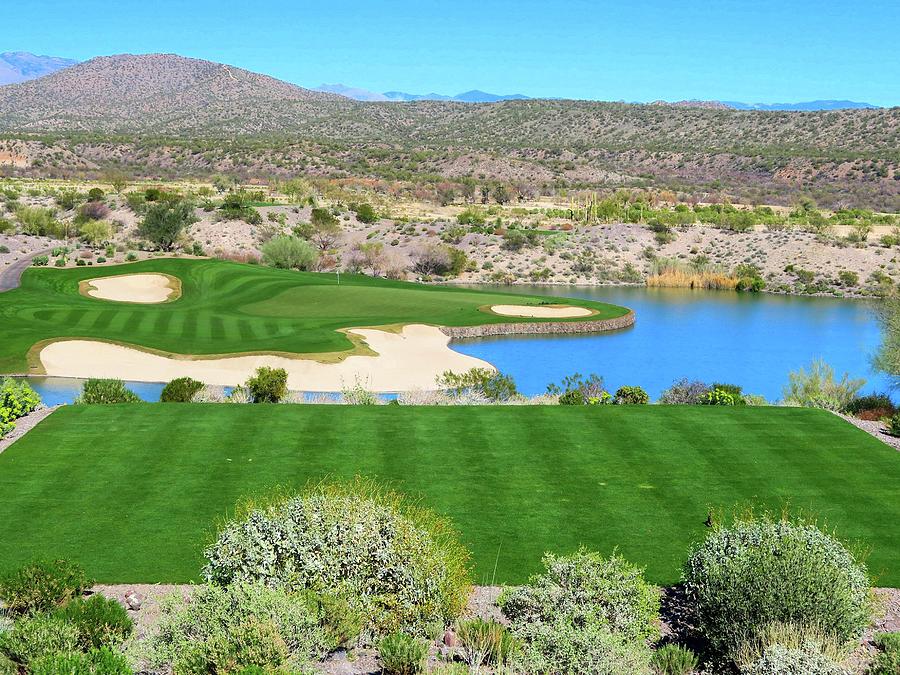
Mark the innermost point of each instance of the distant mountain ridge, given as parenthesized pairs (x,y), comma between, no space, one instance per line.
(803,105)
(23,66)
(472,96)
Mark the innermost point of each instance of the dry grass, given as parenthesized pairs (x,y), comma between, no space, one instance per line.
(687,279)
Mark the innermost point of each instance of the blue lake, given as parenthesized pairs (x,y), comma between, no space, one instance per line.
(753,340)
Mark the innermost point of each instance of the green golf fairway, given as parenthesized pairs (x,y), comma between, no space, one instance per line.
(228,308)
(133,492)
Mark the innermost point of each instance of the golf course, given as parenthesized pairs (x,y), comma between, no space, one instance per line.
(135,491)
(230,308)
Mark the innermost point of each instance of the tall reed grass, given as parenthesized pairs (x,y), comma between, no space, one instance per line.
(674,273)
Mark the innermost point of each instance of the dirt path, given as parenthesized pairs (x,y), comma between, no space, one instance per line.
(24,425)
(11,276)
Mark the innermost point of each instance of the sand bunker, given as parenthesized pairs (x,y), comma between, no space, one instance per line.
(146,288)
(541,311)
(411,360)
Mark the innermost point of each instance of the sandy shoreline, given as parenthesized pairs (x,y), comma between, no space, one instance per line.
(405,361)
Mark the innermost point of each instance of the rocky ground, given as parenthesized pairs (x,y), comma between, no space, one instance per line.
(143,604)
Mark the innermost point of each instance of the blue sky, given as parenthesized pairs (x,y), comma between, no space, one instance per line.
(637,50)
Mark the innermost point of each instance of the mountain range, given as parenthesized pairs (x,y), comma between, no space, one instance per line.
(472,96)
(23,66)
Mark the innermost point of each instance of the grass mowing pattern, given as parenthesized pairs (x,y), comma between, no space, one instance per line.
(230,308)
(133,491)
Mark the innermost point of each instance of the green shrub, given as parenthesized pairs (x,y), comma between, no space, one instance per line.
(674,659)
(289,253)
(781,660)
(165,221)
(10,667)
(103,391)
(631,396)
(40,260)
(268,385)
(180,390)
(716,396)
(17,399)
(486,643)
(221,629)
(818,388)
(579,390)
(561,648)
(402,654)
(102,661)
(887,659)
(37,636)
(479,383)
(365,213)
(100,622)
(587,589)
(394,561)
(871,407)
(3,248)
(42,586)
(761,571)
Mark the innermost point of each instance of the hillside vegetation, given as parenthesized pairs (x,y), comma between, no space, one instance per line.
(196,117)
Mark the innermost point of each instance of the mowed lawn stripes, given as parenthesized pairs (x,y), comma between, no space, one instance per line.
(228,308)
(135,491)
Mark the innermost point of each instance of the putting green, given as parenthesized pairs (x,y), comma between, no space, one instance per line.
(134,491)
(229,308)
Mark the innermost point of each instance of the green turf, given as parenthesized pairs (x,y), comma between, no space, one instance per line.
(132,491)
(228,307)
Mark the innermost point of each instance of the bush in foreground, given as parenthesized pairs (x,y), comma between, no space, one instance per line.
(100,391)
(674,659)
(401,654)
(289,253)
(781,660)
(397,563)
(36,636)
(758,572)
(100,622)
(478,383)
(587,589)
(631,396)
(17,399)
(887,660)
(42,586)
(95,662)
(486,643)
(818,388)
(239,626)
(684,392)
(180,390)
(871,407)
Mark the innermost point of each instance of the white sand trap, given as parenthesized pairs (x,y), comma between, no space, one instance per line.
(541,311)
(145,288)
(411,360)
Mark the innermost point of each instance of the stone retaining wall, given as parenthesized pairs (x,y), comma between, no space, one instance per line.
(563,327)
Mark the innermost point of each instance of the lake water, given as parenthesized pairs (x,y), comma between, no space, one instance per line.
(753,340)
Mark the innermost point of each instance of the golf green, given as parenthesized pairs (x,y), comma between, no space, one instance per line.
(134,491)
(228,308)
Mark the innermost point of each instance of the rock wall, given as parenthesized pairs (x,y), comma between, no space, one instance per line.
(564,327)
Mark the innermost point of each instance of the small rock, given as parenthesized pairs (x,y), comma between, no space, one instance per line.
(133,600)
(450,639)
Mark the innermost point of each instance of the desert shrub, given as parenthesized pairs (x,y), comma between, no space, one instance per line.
(398,563)
(672,659)
(871,407)
(102,661)
(224,629)
(579,390)
(238,395)
(717,396)
(100,622)
(486,643)
(36,636)
(365,213)
(6,226)
(37,221)
(684,392)
(761,571)
(95,210)
(432,258)
(180,390)
(791,636)
(491,385)
(402,654)
(887,658)
(818,388)
(104,391)
(165,221)
(42,585)
(781,660)
(289,253)
(96,232)
(561,648)
(268,385)
(359,394)
(631,396)
(587,589)
(40,260)
(10,667)
(17,399)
